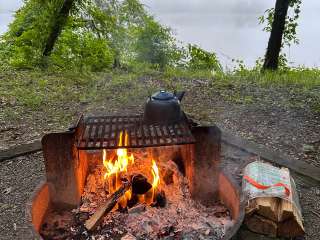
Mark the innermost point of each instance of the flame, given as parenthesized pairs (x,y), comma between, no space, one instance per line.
(122,162)
(155,174)
(156,178)
(115,167)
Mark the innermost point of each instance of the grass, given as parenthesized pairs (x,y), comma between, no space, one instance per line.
(298,78)
(34,89)
(54,94)
(27,92)
(302,86)
(59,95)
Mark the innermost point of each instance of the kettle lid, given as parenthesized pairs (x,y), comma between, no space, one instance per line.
(163,96)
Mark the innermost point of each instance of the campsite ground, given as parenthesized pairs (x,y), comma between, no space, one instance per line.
(284,117)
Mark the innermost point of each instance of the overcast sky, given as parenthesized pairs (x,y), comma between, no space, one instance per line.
(228,27)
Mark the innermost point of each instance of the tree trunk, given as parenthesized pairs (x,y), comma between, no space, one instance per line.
(275,40)
(116,61)
(57,27)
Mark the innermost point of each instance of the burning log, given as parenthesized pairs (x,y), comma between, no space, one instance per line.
(160,199)
(139,185)
(133,201)
(95,219)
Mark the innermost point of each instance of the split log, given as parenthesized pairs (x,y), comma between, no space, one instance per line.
(259,224)
(286,210)
(276,212)
(96,218)
(290,220)
(282,213)
(293,227)
(264,206)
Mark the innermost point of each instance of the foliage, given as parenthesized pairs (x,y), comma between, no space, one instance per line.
(98,34)
(156,45)
(290,30)
(201,59)
(282,64)
(115,22)
(27,35)
(84,52)
(104,26)
(291,24)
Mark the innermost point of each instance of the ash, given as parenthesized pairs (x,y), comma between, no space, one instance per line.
(180,218)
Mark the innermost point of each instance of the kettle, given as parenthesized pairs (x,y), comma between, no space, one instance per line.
(163,108)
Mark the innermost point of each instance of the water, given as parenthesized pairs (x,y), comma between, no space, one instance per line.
(228,27)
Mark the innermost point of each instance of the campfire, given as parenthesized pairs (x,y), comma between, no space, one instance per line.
(132,189)
(131,177)
(118,168)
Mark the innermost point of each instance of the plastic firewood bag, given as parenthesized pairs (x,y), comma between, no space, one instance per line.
(264,180)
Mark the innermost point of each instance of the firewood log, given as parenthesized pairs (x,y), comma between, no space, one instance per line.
(286,210)
(259,224)
(273,213)
(291,228)
(264,206)
(105,208)
(140,184)
(282,213)
(290,221)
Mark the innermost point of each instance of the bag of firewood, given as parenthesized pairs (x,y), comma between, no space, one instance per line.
(272,202)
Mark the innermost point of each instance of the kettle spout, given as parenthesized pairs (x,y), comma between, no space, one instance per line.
(180,95)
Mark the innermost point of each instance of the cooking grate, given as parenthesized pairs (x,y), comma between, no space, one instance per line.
(105,132)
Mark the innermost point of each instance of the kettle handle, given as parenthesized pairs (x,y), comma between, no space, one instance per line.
(179,95)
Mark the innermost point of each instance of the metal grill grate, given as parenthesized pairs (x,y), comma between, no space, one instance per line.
(104,132)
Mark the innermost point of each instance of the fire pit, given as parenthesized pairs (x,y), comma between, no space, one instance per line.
(114,177)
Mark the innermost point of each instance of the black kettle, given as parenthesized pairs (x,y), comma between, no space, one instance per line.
(164,108)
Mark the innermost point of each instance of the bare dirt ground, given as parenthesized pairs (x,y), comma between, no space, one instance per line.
(268,119)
